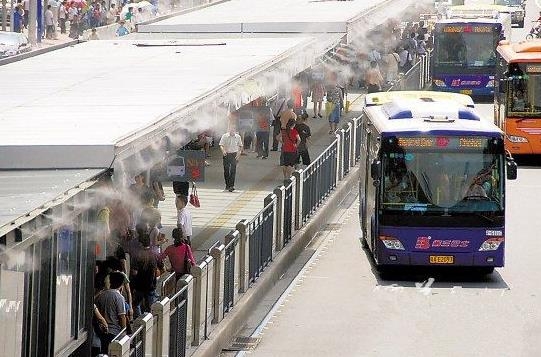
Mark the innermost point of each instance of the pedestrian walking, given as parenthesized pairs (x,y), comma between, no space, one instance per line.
(374,79)
(178,253)
(184,218)
(231,146)
(62,16)
(49,23)
(334,96)
(304,133)
(263,118)
(290,141)
(279,106)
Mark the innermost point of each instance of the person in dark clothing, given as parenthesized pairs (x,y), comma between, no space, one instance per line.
(111,305)
(304,132)
(144,268)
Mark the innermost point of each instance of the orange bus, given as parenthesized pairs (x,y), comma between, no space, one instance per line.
(517,107)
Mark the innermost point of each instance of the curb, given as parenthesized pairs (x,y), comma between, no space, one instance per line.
(226,330)
(37,52)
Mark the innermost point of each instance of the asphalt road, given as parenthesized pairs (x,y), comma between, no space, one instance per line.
(338,305)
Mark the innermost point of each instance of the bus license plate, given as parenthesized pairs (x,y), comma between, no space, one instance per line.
(442,259)
(466,91)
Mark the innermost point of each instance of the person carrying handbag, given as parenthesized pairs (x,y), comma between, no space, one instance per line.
(180,254)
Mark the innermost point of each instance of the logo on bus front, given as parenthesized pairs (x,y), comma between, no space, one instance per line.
(426,242)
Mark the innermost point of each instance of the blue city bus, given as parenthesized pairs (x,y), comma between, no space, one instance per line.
(464,58)
(432,182)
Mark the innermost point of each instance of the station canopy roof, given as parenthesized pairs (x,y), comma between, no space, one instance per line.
(87,105)
(23,191)
(278,16)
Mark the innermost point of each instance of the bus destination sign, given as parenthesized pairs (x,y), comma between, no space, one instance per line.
(533,68)
(467,29)
(443,142)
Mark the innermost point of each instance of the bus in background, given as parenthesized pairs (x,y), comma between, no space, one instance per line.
(432,182)
(517,107)
(464,59)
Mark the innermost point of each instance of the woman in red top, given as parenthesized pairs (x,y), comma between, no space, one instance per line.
(290,140)
(177,252)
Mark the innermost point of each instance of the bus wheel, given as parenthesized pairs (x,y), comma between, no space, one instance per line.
(529,36)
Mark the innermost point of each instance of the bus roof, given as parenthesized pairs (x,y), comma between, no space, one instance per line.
(524,51)
(386,97)
(474,12)
(426,114)
(481,20)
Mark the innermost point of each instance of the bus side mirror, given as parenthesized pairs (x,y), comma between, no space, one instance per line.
(374,169)
(511,169)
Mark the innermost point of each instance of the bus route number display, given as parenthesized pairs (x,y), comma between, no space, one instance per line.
(474,29)
(443,142)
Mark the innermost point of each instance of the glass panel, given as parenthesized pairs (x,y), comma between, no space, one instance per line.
(524,90)
(12,298)
(66,271)
(443,181)
(459,49)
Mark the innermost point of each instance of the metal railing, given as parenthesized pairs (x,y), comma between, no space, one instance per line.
(319,179)
(417,77)
(189,308)
(177,322)
(260,232)
(229,272)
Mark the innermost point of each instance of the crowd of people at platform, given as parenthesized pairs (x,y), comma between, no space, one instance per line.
(134,254)
(75,16)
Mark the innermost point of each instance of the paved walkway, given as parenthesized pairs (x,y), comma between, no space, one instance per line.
(220,211)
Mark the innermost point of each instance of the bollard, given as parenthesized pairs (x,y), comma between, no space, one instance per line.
(161,310)
(218,290)
(188,280)
(244,256)
(280,199)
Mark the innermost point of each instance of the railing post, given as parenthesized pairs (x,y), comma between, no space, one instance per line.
(244,256)
(188,280)
(120,348)
(338,157)
(299,178)
(294,183)
(161,309)
(201,288)
(218,291)
(352,159)
(280,200)
(147,322)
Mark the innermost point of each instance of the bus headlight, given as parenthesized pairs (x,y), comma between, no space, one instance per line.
(439,83)
(517,139)
(391,243)
(491,244)
(490,84)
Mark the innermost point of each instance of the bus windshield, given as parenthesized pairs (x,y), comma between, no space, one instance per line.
(524,90)
(465,49)
(423,181)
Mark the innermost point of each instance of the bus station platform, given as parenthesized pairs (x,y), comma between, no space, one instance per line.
(221,210)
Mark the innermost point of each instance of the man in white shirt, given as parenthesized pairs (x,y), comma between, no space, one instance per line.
(231,146)
(62,17)
(184,217)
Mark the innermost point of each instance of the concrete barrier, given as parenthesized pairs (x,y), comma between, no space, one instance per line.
(235,320)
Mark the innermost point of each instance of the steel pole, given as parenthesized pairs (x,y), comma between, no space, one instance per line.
(32,37)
